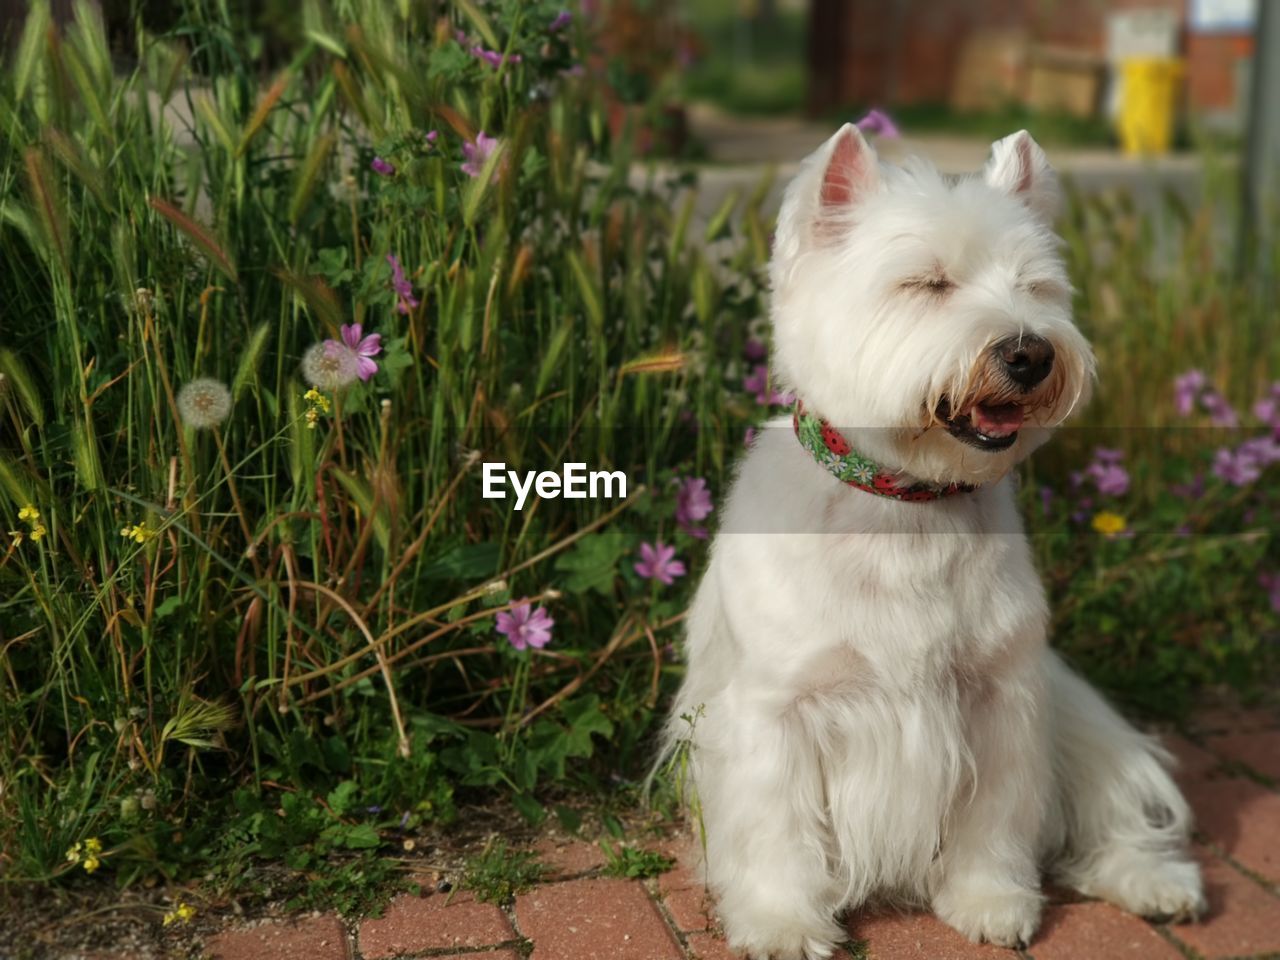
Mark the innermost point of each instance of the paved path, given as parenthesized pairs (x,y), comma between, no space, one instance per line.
(741,149)
(1230,769)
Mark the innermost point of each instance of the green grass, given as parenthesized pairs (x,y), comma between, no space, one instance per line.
(292,657)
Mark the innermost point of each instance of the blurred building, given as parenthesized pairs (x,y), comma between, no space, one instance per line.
(1053,54)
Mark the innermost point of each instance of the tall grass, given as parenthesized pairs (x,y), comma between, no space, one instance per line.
(295,606)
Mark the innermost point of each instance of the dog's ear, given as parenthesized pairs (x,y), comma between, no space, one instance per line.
(849,172)
(1019,167)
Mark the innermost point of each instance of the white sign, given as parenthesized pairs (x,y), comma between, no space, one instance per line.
(1219,16)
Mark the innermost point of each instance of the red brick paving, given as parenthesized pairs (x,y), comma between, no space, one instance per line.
(1243,819)
(313,938)
(412,924)
(595,919)
(1243,918)
(918,936)
(590,917)
(568,858)
(683,892)
(1259,750)
(1097,931)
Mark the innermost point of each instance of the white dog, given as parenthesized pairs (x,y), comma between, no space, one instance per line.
(871,704)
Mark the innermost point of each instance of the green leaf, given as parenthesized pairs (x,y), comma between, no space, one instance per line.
(593,563)
(465,561)
(362,837)
(342,798)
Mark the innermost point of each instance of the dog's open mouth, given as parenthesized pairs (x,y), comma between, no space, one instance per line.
(986,426)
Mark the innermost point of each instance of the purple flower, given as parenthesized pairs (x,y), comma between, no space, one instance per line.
(383,167)
(1236,469)
(1107,455)
(1263,451)
(493,58)
(361,349)
(749,437)
(477,153)
(431,136)
(754,350)
(693,503)
(1265,410)
(562,20)
(525,625)
(1112,480)
(1186,389)
(757,382)
(879,123)
(657,562)
(404,289)
(1220,411)
(1270,582)
(1046,499)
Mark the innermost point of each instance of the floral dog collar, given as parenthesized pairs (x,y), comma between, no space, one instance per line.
(829,447)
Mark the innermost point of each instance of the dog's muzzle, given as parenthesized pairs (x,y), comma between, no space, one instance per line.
(1026,359)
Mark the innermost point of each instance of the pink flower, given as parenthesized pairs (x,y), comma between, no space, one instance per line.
(693,503)
(431,136)
(562,20)
(754,350)
(493,58)
(525,626)
(657,562)
(404,289)
(1270,582)
(1237,469)
(757,382)
(1186,390)
(361,348)
(383,167)
(477,153)
(1221,413)
(879,123)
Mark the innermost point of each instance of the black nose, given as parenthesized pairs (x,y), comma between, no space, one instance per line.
(1027,359)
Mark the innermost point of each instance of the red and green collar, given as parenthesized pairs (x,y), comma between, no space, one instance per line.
(833,452)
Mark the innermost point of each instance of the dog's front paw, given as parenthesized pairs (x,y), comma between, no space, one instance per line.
(1006,916)
(1159,888)
(775,935)
(782,944)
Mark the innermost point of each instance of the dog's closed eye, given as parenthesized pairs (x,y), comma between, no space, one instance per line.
(935,284)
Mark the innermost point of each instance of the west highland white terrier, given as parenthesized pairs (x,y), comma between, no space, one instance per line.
(871,705)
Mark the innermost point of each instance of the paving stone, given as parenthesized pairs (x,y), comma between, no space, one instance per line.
(1242,818)
(1194,761)
(709,946)
(602,918)
(1259,749)
(918,936)
(411,924)
(1098,931)
(1232,719)
(1243,918)
(313,938)
(686,898)
(567,857)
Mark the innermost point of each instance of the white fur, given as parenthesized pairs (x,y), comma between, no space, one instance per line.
(877,710)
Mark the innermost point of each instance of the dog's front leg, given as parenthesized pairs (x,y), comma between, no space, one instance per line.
(760,788)
(986,882)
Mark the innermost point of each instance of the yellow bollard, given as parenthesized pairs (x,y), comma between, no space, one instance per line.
(1149,104)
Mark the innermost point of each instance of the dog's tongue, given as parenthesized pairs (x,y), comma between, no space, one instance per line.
(997,421)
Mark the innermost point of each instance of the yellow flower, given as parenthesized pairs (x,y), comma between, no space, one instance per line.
(1108,523)
(93,846)
(139,532)
(73,853)
(91,864)
(182,913)
(37,532)
(29,513)
(319,404)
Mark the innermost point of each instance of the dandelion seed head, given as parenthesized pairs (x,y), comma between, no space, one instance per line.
(204,403)
(328,366)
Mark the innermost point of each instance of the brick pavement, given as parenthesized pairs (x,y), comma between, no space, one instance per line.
(1229,765)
